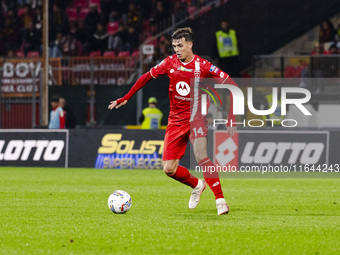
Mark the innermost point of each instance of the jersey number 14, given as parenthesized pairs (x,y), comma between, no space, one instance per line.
(199,131)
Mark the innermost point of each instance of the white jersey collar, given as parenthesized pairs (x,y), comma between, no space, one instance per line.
(188,62)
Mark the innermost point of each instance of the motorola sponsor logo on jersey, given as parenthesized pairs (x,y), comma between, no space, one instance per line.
(183,89)
(23,150)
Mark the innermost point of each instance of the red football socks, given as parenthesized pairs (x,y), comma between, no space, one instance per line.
(183,175)
(212,178)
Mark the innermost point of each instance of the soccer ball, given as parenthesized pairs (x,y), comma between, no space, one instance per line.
(119,201)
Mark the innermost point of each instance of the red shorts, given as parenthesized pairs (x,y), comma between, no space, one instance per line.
(177,136)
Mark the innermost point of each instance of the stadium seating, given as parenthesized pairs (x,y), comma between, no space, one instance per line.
(33,54)
(109,54)
(124,54)
(20,54)
(95,53)
(135,53)
(146,25)
(191,11)
(83,12)
(204,10)
(80,3)
(20,12)
(112,28)
(293,72)
(78,9)
(72,14)
(97,2)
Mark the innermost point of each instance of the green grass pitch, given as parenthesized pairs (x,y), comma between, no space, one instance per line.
(64,211)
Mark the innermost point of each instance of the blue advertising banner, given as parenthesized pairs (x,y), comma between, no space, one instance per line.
(123,151)
(116,148)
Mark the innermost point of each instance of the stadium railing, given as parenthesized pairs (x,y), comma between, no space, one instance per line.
(308,71)
(295,66)
(20,108)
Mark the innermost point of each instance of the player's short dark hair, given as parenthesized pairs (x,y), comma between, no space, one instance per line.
(185,32)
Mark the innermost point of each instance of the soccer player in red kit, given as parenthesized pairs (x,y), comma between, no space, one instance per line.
(185,120)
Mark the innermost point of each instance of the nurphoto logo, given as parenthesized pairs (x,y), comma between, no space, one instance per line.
(239,102)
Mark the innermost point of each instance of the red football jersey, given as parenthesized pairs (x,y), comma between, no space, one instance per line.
(184,92)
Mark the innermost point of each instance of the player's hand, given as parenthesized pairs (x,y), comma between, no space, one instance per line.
(113,104)
(231,131)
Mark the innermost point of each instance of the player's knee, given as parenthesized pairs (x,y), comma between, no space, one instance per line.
(200,156)
(169,168)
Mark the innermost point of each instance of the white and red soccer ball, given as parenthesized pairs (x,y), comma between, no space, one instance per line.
(119,201)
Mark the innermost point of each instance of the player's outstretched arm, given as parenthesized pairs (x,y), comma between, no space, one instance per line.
(114,104)
(140,83)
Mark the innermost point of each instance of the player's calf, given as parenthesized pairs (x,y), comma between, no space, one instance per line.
(182,175)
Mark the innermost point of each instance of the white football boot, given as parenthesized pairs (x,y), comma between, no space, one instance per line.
(222,207)
(196,194)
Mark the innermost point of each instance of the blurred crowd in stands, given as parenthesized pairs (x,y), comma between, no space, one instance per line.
(328,44)
(329,40)
(89,27)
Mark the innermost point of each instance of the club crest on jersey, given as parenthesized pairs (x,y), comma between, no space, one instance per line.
(212,68)
(182,88)
(182,68)
(197,74)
